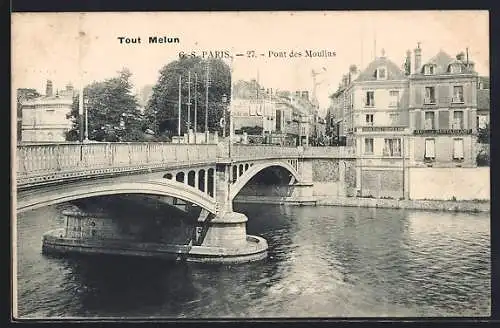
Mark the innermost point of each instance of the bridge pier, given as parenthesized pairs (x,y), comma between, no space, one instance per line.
(225,238)
(219,237)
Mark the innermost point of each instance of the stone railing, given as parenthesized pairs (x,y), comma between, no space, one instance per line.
(242,152)
(329,152)
(245,152)
(48,162)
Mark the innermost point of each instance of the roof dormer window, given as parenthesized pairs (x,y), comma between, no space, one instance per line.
(455,68)
(429,69)
(381,73)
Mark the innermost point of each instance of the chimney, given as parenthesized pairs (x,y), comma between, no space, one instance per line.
(48,90)
(418,57)
(345,80)
(305,95)
(408,63)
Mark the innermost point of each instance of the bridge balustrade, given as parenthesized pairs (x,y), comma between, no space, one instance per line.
(329,152)
(40,163)
(263,152)
(49,159)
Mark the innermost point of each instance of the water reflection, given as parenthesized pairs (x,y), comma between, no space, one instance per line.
(323,261)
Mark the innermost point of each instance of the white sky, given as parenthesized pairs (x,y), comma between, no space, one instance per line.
(47,45)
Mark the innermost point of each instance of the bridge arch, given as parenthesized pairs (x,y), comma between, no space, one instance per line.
(59,194)
(256,168)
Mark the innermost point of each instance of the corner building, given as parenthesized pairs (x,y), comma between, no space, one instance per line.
(378,128)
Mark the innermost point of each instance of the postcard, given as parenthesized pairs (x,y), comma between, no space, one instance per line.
(243,165)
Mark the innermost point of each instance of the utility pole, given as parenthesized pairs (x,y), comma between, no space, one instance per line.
(80,111)
(180,106)
(195,103)
(206,102)
(231,123)
(189,106)
(86,109)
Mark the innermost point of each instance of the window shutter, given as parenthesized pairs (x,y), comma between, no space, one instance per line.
(444,95)
(458,148)
(418,120)
(418,96)
(468,94)
(429,148)
(472,119)
(444,119)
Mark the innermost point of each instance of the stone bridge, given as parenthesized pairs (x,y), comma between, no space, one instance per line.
(204,175)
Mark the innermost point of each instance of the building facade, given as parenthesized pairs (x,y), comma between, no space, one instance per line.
(45,119)
(377,106)
(278,115)
(443,111)
(23,95)
(483,103)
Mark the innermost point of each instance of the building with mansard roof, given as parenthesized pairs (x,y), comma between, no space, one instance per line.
(370,111)
(424,114)
(443,111)
(45,119)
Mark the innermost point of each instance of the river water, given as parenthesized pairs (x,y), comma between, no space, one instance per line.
(323,262)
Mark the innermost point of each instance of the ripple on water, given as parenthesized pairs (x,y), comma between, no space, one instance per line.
(323,261)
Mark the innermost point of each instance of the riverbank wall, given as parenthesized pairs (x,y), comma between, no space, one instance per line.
(426,205)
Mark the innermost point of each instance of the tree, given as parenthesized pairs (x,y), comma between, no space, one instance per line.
(484,134)
(162,109)
(23,94)
(113,113)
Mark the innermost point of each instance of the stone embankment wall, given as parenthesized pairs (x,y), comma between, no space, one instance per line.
(333,177)
(449,183)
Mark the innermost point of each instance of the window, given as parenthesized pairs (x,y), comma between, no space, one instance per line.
(368,145)
(429,70)
(392,147)
(394,118)
(381,73)
(430,153)
(458,149)
(370,99)
(429,121)
(394,98)
(458,120)
(430,95)
(458,94)
(369,119)
(456,68)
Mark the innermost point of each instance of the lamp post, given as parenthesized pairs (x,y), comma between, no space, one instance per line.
(86,110)
(225,109)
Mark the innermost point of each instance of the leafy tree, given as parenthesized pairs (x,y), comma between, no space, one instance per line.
(113,113)
(23,94)
(162,109)
(484,134)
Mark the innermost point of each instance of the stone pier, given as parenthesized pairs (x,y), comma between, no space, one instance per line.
(198,236)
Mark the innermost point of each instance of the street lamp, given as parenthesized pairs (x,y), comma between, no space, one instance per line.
(86,113)
(224,114)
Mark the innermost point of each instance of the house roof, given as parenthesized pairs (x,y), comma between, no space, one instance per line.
(369,74)
(483,99)
(485,80)
(442,60)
